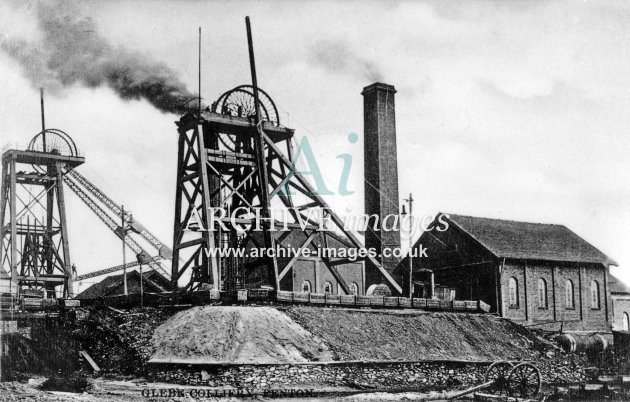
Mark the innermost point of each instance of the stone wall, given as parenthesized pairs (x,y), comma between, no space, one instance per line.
(426,375)
(437,375)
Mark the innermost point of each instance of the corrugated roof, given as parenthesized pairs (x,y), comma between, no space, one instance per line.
(532,241)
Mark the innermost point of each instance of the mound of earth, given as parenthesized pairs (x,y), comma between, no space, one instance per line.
(232,334)
(410,335)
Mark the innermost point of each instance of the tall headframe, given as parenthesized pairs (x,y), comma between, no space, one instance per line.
(236,156)
(34,245)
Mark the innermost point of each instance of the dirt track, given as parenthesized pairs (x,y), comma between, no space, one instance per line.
(214,334)
(132,391)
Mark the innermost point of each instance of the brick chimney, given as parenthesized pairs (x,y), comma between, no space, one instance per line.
(381,171)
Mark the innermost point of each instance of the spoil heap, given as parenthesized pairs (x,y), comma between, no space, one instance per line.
(412,336)
(390,335)
(231,334)
(439,348)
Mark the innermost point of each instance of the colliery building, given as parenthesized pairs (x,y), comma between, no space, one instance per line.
(535,274)
(620,300)
(542,275)
(307,274)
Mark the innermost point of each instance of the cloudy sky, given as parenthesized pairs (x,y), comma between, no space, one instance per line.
(516,110)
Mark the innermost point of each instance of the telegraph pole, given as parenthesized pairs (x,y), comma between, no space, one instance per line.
(124,232)
(141,286)
(410,202)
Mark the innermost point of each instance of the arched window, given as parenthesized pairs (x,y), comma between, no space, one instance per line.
(513,292)
(354,288)
(568,294)
(542,293)
(306,286)
(328,288)
(594,295)
(625,322)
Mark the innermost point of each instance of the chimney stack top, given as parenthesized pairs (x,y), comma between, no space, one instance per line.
(379,86)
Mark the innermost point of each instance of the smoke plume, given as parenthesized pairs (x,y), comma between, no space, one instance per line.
(70,51)
(336,56)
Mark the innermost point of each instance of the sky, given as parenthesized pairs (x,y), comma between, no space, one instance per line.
(513,110)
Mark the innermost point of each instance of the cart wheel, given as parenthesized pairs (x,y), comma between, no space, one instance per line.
(498,372)
(523,381)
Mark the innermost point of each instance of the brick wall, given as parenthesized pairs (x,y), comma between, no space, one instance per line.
(513,311)
(537,310)
(315,271)
(381,169)
(304,270)
(621,305)
(581,317)
(596,318)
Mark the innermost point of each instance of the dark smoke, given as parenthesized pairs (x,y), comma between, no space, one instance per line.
(336,56)
(71,51)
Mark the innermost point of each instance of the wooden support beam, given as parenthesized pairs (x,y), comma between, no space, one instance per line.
(13,214)
(89,359)
(47,278)
(3,204)
(525,292)
(338,221)
(179,189)
(234,190)
(230,186)
(335,273)
(65,244)
(553,282)
(189,243)
(342,261)
(297,255)
(205,189)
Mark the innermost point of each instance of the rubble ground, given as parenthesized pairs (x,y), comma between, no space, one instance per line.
(123,342)
(129,391)
(119,342)
(394,335)
(355,334)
